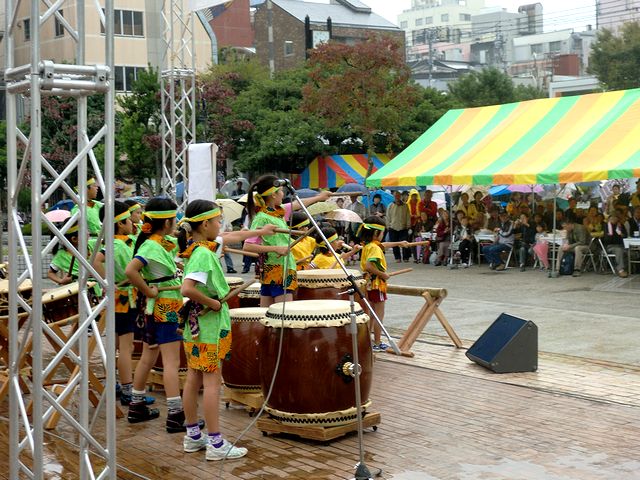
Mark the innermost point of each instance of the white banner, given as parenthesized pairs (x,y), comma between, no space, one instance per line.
(195,5)
(202,171)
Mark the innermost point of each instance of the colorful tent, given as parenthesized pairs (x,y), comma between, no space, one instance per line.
(553,140)
(336,170)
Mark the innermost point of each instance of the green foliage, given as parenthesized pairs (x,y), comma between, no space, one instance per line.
(272,133)
(138,140)
(364,88)
(24,199)
(615,59)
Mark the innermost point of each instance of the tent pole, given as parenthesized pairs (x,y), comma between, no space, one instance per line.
(553,273)
(450,224)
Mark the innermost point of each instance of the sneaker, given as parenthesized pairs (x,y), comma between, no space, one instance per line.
(375,348)
(522,267)
(464,265)
(139,412)
(125,400)
(245,270)
(226,451)
(623,274)
(191,445)
(492,266)
(500,267)
(231,270)
(576,273)
(176,423)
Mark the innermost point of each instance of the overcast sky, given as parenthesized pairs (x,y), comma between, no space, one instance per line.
(558,14)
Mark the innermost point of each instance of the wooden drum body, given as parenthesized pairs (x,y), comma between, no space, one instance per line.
(24,290)
(311,386)
(327,284)
(60,303)
(234,282)
(250,297)
(241,372)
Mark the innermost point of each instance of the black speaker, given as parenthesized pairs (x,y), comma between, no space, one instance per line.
(509,345)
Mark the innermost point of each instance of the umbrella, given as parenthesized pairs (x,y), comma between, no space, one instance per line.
(498,190)
(230,186)
(65,204)
(344,215)
(242,199)
(319,208)
(231,209)
(354,188)
(387,198)
(55,216)
(306,193)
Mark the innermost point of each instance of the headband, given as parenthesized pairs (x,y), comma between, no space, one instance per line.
(90,182)
(331,239)
(135,207)
(123,216)
(73,229)
(303,223)
(269,191)
(369,226)
(160,214)
(202,216)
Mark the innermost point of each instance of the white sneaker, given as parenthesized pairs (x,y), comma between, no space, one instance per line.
(190,445)
(464,265)
(227,451)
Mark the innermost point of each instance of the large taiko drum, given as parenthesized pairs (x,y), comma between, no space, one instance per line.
(60,303)
(250,296)
(241,372)
(234,282)
(327,283)
(158,368)
(312,385)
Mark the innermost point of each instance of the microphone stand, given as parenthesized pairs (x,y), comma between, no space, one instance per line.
(362,472)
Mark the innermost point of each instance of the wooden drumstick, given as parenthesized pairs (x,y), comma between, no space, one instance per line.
(289,232)
(305,234)
(231,294)
(241,252)
(415,244)
(400,272)
(305,259)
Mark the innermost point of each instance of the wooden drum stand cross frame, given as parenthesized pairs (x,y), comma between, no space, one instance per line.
(433,298)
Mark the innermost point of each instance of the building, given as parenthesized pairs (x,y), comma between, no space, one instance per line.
(545,55)
(138,38)
(231,23)
(282,38)
(611,14)
(434,21)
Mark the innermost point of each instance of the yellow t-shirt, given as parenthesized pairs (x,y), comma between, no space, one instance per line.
(303,249)
(373,252)
(324,260)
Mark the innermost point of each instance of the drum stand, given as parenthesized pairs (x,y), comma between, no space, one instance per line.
(362,472)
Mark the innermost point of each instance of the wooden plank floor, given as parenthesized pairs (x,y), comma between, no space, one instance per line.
(442,418)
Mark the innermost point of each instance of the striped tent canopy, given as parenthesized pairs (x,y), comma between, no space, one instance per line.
(553,140)
(336,170)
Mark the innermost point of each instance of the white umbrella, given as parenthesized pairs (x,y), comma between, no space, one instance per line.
(319,208)
(231,209)
(344,215)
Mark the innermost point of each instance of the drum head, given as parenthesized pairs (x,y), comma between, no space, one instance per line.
(69,290)
(326,278)
(248,314)
(312,313)
(252,291)
(234,281)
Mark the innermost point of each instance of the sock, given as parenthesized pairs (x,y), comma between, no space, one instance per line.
(215,439)
(174,405)
(126,389)
(193,431)
(137,396)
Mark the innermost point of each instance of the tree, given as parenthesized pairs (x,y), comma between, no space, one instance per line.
(615,59)
(138,138)
(274,133)
(363,87)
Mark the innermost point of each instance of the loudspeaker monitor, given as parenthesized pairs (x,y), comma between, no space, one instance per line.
(509,345)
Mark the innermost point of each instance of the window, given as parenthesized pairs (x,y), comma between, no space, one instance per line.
(125,76)
(418,22)
(404,24)
(555,47)
(428,20)
(462,3)
(536,48)
(127,23)
(465,17)
(26,26)
(444,17)
(288,48)
(59,29)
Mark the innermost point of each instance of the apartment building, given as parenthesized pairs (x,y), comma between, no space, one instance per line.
(612,14)
(139,40)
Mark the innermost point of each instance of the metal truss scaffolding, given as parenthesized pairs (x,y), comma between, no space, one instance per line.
(88,414)
(178,87)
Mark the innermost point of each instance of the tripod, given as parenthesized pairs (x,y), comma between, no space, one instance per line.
(362,472)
